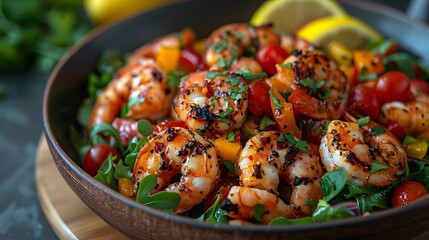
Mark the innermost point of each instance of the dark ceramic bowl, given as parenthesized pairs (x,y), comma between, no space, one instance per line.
(66,89)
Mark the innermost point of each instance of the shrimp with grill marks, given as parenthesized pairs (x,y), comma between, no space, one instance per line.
(319,88)
(229,43)
(142,86)
(371,156)
(179,151)
(269,159)
(212,103)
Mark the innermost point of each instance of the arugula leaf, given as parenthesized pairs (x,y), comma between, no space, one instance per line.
(122,171)
(258,209)
(159,200)
(214,213)
(369,198)
(285,221)
(130,158)
(404,62)
(419,171)
(106,130)
(106,173)
(325,212)
(333,182)
(144,127)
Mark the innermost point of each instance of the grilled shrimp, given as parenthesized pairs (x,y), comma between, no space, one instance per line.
(142,86)
(371,158)
(412,116)
(241,201)
(232,41)
(212,105)
(178,150)
(269,158)
(319,86)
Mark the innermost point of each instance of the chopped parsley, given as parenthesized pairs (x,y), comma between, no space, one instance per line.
(376,167)
(286,65)
(220,46)
(363,121)
(301,145)
(277,104)
(311,84)
(377,130)
(265,122)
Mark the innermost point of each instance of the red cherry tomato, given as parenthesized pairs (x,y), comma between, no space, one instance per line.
(127,129)
(168,124)
(408,192)
(393,86)
(269,56)
(189,60)
(364,101)
(396,130)
(259,98)
(421,85)
(96,155)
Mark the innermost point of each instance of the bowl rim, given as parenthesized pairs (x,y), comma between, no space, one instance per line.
(75,168)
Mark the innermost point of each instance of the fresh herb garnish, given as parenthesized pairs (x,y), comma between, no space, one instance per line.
(363,121)
(230,167)
(214,213)
(265,122)
(286,65)
(377,130)
(277,104)
(159,200)
(230,137)
(212,75)
(301,145)
(220,46)
(376,167)
(258,209)
(311,84)
(174,78)
(106,130)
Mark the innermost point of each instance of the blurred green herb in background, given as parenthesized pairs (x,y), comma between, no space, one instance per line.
(36,33)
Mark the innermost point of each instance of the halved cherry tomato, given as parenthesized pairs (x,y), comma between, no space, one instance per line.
(408,192)
(393,86)
(96,155)
(168,124)
(269,56)
(259,98)
(364,101)
(189,60)
(420,84)
(396,130)
(127,129)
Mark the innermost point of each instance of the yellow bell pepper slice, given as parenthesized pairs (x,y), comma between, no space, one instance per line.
(415,148)
(369,65)
(125,186)
(226,149)
(283,114)
(168,58)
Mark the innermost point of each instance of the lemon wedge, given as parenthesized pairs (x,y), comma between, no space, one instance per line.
(289,15)
(347,31)
(106,11)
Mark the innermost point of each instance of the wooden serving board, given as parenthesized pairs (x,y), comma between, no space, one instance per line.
(68,216)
